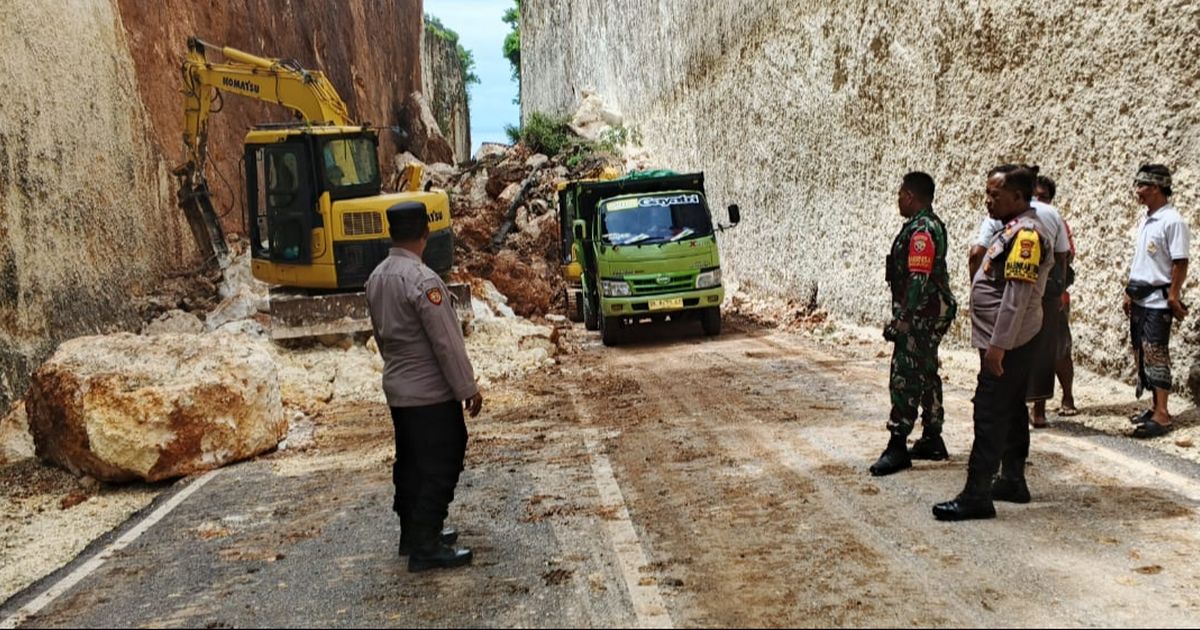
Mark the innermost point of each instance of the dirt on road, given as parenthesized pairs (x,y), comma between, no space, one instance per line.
(688,481)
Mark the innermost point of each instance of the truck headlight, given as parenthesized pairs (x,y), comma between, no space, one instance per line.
(615,288)
(709,279)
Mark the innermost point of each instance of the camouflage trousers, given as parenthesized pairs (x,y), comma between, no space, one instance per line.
(915,383)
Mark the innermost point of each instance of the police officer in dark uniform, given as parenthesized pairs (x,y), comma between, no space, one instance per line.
(1006,315)
(428,381)
(923,308)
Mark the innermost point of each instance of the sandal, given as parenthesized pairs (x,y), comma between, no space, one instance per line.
(1145,416)
(1067,412)
(1042,424)
(1150,428)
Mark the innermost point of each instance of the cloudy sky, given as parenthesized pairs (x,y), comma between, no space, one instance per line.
(481,31)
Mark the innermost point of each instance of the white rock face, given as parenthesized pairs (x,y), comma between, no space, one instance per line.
(807,115)
(174,321)
(125,407)
(594,116)
(502,344)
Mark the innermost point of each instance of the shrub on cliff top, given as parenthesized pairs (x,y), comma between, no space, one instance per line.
(552,135)
(544,133)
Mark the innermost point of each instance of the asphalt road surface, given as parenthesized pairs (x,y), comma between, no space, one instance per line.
(672,481)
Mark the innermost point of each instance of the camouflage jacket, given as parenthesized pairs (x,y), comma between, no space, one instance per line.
(917,276)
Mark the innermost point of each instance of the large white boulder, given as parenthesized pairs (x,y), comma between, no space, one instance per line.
(125,407)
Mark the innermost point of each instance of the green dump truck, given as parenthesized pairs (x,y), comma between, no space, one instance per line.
(641,247)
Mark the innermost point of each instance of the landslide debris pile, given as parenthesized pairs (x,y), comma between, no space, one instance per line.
(505,209)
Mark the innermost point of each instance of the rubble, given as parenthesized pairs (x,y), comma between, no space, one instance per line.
(593,117)
(16,443)
(124,407)
(174,321)
(506,223)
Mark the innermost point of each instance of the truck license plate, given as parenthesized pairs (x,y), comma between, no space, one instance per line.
(660,305)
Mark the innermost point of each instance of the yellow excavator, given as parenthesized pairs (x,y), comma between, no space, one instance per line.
(315,216)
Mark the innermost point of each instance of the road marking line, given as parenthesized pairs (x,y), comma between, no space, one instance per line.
(647,601)
(93,563)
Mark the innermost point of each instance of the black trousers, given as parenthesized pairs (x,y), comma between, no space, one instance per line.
(431,442)
(1041,375)
(1001,418)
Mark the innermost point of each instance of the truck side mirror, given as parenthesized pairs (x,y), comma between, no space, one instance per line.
(735,215)
(578,229)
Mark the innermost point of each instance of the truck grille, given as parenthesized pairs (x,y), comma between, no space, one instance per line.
(653,285)
(362,223)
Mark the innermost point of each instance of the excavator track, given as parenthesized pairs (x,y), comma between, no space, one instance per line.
(296,314)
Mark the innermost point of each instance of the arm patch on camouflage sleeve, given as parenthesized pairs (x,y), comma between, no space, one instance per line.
(920,253)
(1024,258)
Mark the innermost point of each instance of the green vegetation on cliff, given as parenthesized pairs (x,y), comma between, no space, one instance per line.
(512,41)
(435,28)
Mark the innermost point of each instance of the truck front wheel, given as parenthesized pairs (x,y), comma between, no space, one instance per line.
(710,319)
(610,329)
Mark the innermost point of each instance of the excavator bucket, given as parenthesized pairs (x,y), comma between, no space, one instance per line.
(297,315)
(203,221)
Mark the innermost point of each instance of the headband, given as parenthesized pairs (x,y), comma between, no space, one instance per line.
(1154,179)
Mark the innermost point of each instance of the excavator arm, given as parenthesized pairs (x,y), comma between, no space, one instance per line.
(284,82)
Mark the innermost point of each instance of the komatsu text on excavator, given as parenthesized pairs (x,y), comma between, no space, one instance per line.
(315,216)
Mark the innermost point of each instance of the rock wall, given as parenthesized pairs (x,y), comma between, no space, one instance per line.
(87,212)
(443,84)
(807,114)
(91,125)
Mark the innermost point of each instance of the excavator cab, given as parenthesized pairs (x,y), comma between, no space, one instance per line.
(292,178)
(315,213)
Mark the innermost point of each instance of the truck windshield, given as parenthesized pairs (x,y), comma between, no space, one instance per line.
(350,162)
(657,219)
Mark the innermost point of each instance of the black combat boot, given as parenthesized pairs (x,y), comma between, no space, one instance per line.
(974,502)
(429,552)
(894,459)
(929,447)
(449,536)
(1010,490)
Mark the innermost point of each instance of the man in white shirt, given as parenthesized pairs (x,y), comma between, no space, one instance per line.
(1152,298)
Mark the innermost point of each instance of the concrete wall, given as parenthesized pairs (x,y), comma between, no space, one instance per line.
(444,85)
(807,114)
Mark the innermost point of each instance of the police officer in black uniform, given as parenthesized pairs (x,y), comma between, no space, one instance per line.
(428,381)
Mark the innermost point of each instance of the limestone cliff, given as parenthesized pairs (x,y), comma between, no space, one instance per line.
(444,85)
(807,114)
(86,204)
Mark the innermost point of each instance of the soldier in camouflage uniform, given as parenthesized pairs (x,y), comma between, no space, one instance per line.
(922,310)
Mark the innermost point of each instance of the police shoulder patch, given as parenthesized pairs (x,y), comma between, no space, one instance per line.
(1024,257)
(434,295)
(921,252)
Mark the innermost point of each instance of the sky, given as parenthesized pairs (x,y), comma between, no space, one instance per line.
(481,31)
